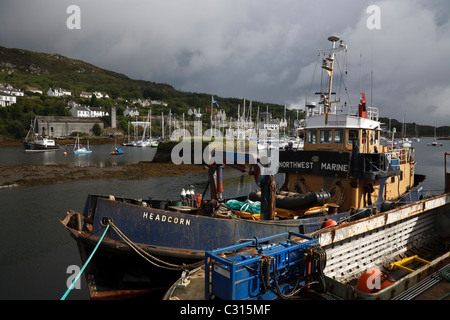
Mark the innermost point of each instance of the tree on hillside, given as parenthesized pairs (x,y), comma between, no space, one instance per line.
(94,102)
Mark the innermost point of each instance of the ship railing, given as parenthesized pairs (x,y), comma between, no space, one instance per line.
(372,112)
(398,156)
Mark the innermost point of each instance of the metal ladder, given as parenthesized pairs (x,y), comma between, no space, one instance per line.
(421,286)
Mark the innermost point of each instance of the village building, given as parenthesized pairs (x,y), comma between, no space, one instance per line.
(97,94)
(58,92)
(131,112)
(157,102)
(7,99)
(34,90)
(87,112)
(59,127)
(7,88)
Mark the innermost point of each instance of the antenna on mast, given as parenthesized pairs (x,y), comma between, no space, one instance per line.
(327,65)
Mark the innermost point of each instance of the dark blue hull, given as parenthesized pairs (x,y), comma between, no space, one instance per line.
(171,239)
(190,233)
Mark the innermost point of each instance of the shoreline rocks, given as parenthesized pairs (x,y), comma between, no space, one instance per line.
(29,175)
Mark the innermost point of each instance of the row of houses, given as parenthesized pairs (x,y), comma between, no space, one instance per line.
(82,111)
(58,92)
(8,95)
(147,103)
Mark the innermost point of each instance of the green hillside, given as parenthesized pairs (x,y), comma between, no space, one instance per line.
(23,69)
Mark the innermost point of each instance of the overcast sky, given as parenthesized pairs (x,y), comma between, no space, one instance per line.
(261,50)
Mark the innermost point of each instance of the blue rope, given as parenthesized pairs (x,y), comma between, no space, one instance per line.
(82,269)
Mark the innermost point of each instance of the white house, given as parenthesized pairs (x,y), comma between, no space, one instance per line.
(97,94)
(131,112)
(6,99)
(72,104)
(98,112)
(157,102)
(35,90)
(11,90)
(144,103)
(87,112)
(80,112)
(100,95)
(58,92)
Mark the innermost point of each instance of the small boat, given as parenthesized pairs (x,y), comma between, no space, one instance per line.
(435,143)
(37,143)
(154,143)
(117,151)
(78,149)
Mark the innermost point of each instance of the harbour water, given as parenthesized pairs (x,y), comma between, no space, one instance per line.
(35,249)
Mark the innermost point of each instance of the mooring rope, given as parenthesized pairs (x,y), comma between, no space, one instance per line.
(141,253)
(82,269)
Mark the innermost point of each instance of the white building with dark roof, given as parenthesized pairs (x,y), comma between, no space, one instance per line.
(7,99)
(58,92)
(87,112)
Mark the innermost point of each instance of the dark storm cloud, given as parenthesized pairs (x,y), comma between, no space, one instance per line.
(254,49)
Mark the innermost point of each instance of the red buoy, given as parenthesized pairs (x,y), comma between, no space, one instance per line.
(330,223)
(369,281)
(372,281)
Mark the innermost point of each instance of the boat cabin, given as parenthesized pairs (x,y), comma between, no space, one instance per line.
(344,131)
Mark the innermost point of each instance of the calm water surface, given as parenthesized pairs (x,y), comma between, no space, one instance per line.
(35,249)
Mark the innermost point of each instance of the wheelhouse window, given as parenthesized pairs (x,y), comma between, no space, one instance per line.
(325,136)
(338,136)
(312,136)
(364,136)
(352,136)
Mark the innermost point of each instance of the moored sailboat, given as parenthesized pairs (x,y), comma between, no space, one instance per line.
(78,149)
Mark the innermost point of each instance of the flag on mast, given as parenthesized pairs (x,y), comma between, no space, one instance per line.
(214,101)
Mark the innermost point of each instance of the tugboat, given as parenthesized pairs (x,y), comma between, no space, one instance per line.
(342,155)
(342,174)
